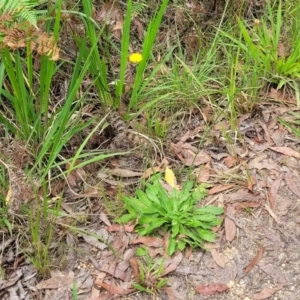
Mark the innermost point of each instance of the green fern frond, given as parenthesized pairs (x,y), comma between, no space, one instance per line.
(138,7)
(21,9)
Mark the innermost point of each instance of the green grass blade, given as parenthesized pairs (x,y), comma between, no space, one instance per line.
(124,52)
(98,67)
(55,139)
(147,47)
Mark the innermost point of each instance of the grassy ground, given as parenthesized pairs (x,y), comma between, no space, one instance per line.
(73,101)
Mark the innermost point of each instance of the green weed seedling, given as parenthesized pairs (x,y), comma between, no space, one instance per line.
(176,213)
(150,278)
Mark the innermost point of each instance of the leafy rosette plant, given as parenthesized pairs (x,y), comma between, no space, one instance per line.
(173,212)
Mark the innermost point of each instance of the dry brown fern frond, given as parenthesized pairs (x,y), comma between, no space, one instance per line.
(46,45)
(5,18)
(17,35)
(14,39)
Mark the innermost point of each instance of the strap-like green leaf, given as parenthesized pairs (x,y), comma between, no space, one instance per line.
(150,227)
(171,246)
(210,210)
(206,235)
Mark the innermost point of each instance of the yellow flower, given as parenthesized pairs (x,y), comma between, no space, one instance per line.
(135,57)
(171,179)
